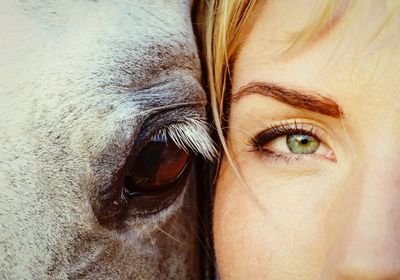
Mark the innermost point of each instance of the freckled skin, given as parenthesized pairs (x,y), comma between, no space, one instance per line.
(79,82)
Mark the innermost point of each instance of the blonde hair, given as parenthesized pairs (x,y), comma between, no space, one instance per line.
(225,21)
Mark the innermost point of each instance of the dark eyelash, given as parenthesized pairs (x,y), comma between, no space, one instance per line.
(272,132)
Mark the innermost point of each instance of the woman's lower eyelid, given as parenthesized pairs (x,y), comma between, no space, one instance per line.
(271,155)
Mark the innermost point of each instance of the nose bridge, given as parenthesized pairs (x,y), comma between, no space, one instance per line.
(369,244)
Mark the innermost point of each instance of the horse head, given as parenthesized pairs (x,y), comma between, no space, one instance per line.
(102,114)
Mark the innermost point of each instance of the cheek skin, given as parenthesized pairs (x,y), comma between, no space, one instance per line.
(283,240)
(232,228)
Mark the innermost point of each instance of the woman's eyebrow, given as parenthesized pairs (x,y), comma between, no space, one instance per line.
(307,100)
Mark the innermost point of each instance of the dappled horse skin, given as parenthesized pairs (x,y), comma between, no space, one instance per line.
(85,86)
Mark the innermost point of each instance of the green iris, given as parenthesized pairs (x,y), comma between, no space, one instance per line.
(302,143)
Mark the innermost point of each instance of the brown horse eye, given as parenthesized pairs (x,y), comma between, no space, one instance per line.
(159,164)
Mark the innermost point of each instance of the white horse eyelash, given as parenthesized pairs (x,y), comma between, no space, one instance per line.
(190,134)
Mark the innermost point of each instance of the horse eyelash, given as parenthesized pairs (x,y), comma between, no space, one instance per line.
(191,135)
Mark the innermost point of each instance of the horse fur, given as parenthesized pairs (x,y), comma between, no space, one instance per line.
(81,83)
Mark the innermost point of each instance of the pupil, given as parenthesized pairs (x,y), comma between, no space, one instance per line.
(304,141)
(160,163)
(149,160)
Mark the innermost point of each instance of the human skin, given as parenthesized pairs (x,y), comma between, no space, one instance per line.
(333,213)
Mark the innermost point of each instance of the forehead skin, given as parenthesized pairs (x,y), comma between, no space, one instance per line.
(342,64)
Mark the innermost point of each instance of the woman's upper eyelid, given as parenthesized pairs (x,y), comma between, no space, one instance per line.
(285,127)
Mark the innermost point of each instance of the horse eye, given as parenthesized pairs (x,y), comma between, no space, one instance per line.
(157,167)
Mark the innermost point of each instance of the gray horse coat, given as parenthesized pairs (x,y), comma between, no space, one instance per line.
(85,86)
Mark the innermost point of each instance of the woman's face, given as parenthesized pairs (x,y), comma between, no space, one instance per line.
(316,138)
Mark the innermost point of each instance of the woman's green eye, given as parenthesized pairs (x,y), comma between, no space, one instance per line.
(302,143)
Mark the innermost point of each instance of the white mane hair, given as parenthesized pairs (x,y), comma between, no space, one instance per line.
(83,86)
